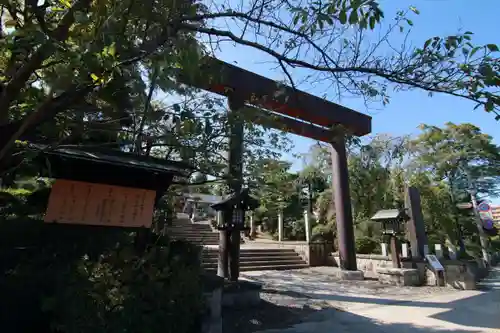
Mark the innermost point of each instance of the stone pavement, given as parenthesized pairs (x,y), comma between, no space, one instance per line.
(369,307)
(493,279)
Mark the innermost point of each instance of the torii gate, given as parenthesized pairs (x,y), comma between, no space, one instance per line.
(266,102)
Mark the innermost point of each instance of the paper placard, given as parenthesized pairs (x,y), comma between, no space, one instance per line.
(74,202)
(434,262)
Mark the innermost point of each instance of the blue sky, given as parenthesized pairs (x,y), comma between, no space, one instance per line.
(409,109)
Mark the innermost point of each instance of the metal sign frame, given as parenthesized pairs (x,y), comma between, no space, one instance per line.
(434,262)
(483,207)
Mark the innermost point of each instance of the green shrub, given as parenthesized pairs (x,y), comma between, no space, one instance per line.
(295,230)
(24,202)
(17,192)
(69,279)
(12,201)
(323,232)
(152,292)
(366,245)
(495,243)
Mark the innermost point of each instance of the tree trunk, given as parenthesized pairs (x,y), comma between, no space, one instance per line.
(138,138)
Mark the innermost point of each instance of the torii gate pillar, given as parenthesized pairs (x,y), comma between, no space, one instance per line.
(342,201)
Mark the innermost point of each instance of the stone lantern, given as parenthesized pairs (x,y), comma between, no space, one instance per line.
(392,225)
(233,210)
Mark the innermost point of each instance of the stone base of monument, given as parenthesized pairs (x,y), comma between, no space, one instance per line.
(220,294)
(212,319)
(399,276)
(344,274)
(241,294)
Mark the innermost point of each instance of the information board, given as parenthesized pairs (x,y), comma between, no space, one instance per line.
(434,262)
(74,202)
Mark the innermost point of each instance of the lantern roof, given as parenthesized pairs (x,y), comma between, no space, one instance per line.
(389,215)
(241,198)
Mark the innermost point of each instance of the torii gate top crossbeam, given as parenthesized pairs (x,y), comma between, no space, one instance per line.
(222,78)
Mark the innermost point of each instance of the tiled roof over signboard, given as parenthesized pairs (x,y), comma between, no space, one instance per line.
(107,166)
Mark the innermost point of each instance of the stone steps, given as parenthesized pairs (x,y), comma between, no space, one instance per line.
(194,236)
(251,259)
(275,267)
(191,228)
(214,259)
(261,253)
(258,259)
(197,239)
(192,233)
(245,263)
(183,229)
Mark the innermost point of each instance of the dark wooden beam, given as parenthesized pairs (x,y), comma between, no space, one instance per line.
(222,78)
(285,124)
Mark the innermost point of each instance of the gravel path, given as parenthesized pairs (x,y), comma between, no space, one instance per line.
(311,300)
(276,311)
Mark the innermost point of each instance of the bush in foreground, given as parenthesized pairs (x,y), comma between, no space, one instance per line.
(78,279)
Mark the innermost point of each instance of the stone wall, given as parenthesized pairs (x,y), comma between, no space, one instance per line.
(458,274)
(320,254)
(314,254)
(399,276)
(368,263)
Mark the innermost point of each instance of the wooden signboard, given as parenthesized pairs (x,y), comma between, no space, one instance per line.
(75,202)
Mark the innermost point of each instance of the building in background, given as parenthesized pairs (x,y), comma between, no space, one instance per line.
(198,205)
(495,212)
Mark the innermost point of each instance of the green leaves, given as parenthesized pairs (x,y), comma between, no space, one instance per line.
(110,50)
(415,10)
(427,43)
(443,155)
(365,13)
(492,47)
(10,23)
(373,22)
(444,149)
(65,3)
(473,51)
(81,17)
(94,77)
(353,17)
(479,69)
(274,184)
(343,17)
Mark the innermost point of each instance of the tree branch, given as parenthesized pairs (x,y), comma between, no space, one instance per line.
(47,110)
(12,90)
(391,76)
